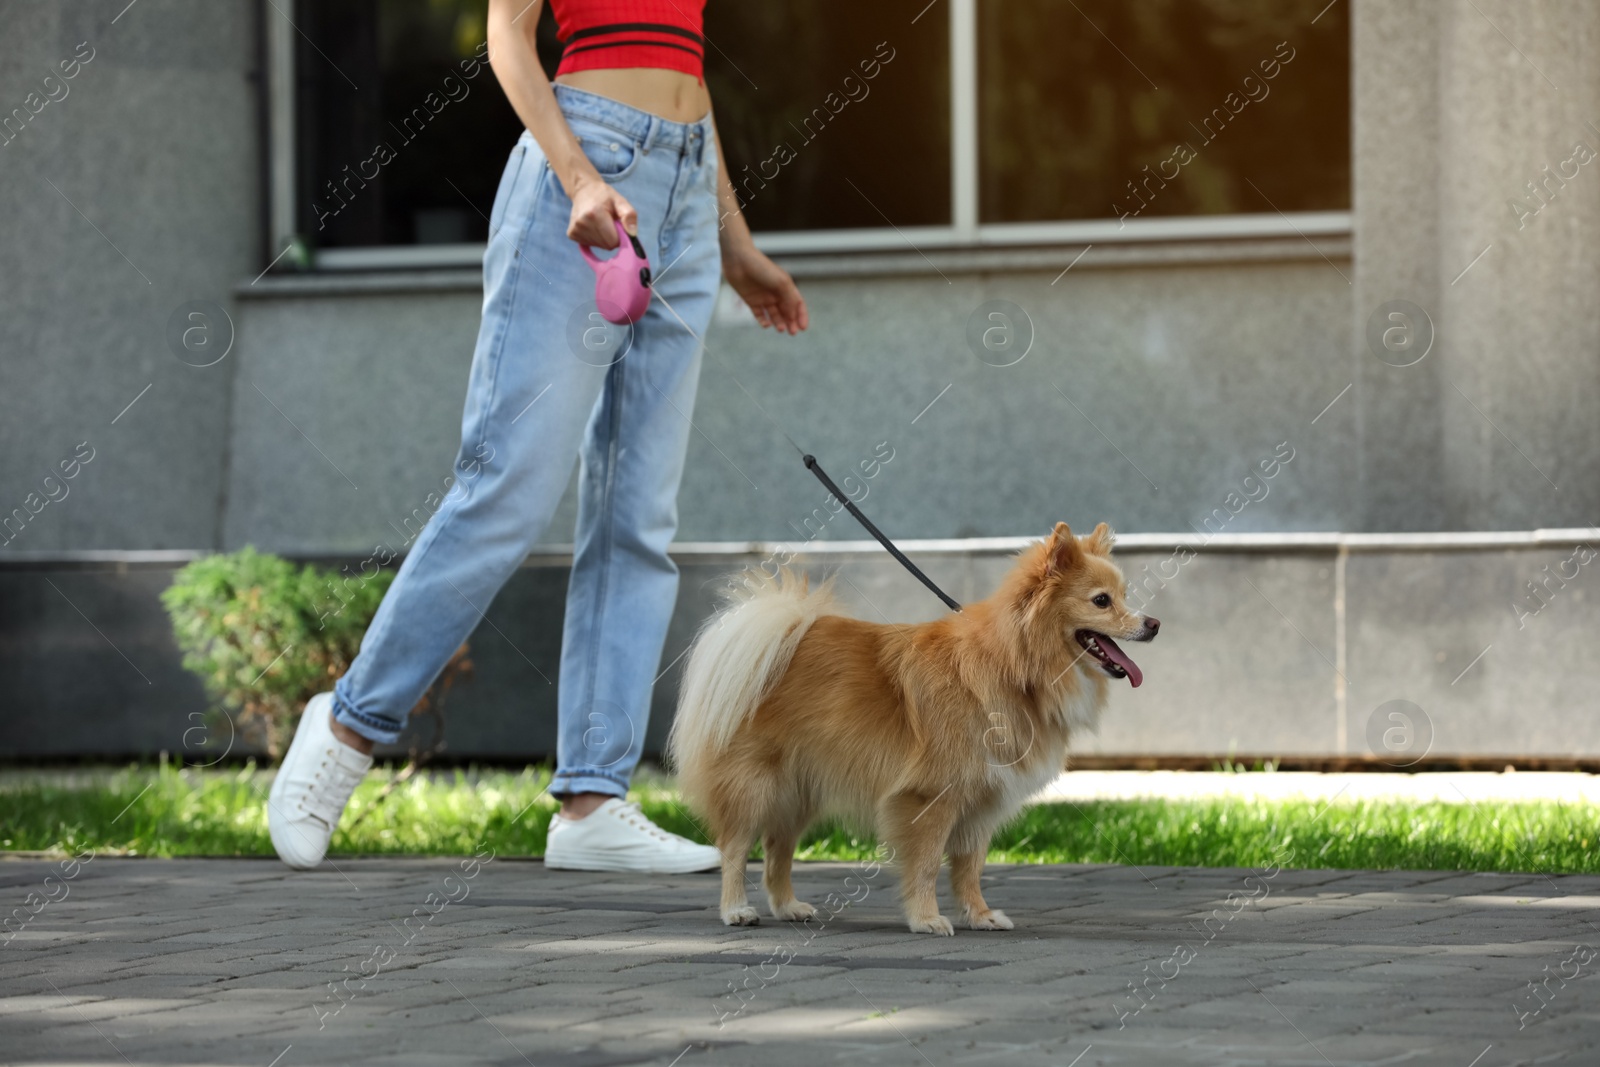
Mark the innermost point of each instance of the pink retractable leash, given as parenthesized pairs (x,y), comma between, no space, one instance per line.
(621,283)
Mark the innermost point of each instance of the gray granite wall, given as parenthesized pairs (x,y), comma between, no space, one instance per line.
(1286,651)
(133,194)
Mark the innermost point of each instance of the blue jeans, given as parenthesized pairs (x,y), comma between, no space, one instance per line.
(553,383)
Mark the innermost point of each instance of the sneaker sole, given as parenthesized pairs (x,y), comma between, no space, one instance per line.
(610,863)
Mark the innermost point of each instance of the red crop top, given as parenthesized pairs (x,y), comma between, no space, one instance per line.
(601,34)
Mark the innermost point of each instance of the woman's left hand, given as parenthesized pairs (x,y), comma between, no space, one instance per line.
(766,289)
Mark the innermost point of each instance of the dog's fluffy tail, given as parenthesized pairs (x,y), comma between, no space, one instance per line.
(736,657)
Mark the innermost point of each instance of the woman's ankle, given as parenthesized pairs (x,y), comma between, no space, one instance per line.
(363,745)
(581,805)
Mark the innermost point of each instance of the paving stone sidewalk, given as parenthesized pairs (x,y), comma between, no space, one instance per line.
(1448,787)
(428,961)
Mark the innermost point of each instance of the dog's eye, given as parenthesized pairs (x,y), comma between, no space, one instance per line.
(1102,601)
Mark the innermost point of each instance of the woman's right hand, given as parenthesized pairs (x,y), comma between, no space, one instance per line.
(594,205)
(514,56)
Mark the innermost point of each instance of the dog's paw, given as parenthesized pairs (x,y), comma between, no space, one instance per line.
(936,924)
(793,911)
(992,919)
(743,915)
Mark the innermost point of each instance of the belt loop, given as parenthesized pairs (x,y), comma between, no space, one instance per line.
(650,131)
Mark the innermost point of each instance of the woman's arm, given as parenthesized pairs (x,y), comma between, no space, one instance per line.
(765,287)
(516,65)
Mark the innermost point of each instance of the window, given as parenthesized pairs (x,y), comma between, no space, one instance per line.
(833,114)
(849,124)
(1099,109)
(403,130)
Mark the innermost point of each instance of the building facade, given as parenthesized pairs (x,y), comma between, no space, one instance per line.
(1411,347)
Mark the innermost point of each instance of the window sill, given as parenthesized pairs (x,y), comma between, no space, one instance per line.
(362,283)
(1054,247)
(1083,256)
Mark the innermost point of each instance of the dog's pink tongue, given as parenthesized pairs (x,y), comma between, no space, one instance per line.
(1120,658)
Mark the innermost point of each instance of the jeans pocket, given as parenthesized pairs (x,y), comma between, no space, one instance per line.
(613,154)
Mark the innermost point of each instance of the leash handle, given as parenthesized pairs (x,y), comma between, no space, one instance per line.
(816,468)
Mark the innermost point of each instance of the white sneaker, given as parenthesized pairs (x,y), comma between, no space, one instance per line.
(617,836)
(313,785)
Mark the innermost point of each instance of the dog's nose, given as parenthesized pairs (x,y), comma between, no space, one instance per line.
(1151,624)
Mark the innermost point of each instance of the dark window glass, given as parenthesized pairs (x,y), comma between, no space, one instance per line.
(402,128)
(834,114)
(830,112)
(1077,99)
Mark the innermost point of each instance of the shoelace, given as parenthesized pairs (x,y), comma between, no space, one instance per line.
(630,813)
(329,789)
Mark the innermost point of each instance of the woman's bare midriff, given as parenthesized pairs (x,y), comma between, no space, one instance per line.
(672,94)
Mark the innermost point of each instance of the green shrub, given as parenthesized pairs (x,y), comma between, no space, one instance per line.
(265,635)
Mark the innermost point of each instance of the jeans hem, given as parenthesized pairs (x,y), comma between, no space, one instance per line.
(381,731)
(588,781)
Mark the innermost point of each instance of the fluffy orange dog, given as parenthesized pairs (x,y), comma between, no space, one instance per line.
(934,733)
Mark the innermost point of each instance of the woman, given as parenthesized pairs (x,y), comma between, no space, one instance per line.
(624,134)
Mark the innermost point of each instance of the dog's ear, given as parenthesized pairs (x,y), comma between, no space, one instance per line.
(1101,540)
(1062,552)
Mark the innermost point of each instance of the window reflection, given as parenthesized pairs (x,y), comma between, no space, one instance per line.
(1096,109)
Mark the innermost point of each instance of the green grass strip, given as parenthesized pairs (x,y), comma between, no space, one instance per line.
(168,812)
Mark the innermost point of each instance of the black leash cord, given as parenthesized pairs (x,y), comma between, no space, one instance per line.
(816,468)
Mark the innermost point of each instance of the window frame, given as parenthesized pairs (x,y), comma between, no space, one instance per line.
(963,231)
